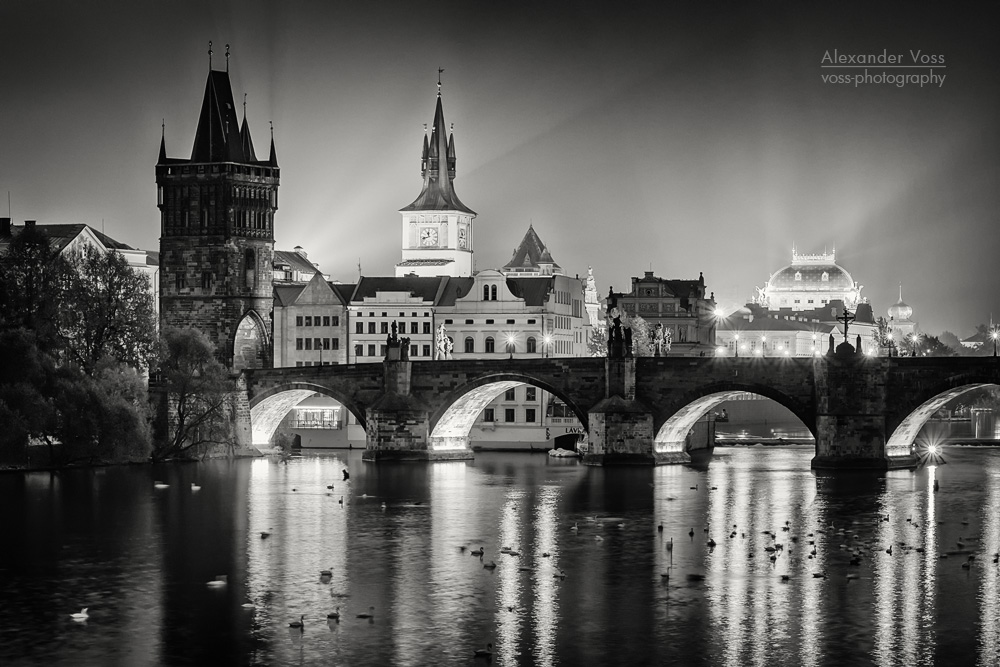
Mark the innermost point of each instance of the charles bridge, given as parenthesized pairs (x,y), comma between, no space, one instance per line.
(864,412)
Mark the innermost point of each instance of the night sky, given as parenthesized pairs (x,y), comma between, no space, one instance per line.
(632,135)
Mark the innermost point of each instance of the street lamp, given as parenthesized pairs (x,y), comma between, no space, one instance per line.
(914,337)
(995,334)
(546,342)
(737,345)
(510,345)
(763,346)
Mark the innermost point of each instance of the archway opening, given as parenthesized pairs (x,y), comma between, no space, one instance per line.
(268,412)
(974,420)
(730,417)
(503,414)
(250,344)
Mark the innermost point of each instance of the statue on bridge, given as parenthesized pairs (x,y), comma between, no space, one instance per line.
(443,343)
(616,341)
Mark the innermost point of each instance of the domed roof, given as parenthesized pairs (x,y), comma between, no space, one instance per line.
(819,276)
(900,311)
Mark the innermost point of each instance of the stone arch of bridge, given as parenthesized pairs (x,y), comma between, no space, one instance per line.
(453,418)
(904,431)
(673,424)
(269,407)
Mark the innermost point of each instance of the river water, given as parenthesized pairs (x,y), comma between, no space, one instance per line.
(587,588)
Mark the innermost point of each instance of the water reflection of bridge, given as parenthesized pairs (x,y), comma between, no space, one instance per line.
(863,412)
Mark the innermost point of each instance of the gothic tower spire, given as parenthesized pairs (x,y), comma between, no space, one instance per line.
(217,232)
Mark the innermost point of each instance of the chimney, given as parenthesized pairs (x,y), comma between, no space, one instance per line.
(5,228)
(299,250)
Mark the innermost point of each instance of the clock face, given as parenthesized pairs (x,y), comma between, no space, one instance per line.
(428,237)
(462,239)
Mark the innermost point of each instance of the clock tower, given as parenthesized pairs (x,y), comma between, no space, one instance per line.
(437,226)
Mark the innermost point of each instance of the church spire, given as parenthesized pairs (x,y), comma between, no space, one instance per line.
(245,141)
(438,167)
(273,159)
(163,142)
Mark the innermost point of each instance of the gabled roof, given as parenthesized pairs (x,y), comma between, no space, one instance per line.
(285,294)
(534,291)
(530,254)
(61,235)
(344,290)
(438,170)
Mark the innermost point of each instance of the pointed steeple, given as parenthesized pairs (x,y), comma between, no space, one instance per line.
(245,141)
(163,143)
(438,169)
(218,135)
(273,159)
(531,256)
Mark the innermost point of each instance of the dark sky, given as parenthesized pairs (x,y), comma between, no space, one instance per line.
(632,135)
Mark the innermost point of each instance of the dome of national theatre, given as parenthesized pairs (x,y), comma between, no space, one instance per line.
(818,277)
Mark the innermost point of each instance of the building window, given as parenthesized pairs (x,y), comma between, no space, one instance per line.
(298,321)
(249,267)
(531,345)
(335,343)
(529,395)
(309,320)
(470,345)
(510,395)
(382,351)
(486,292)
(298,364)
(413,327)
(371,350)
(298,343)
(326,320)
(531,321)
(206,280)
(469,321)
(336,320)
(371,327)
(427,327)
(508,415)
(489,321)
(493,292)
(490,344)
(317,343)
(798,275)
(309,343)
(446,321)
(488,415)
(529,415)
(427,350)
(359,350)
(825,277)
(359,327)
(385,327)
(413,350)
(326,343)
(179,281)
(510,321)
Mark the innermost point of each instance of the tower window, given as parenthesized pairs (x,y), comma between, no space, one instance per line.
(250,267)
(798,275)
(486,292)
(493,292)
(826,277)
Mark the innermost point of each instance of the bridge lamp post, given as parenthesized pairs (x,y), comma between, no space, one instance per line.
(546,342)
(737,346)
(511,338)
(763,346)
(995,334)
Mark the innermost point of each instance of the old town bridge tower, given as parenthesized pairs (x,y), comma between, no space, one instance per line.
(217,232)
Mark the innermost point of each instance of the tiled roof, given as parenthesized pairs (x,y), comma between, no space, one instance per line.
(60,235)
(427,289)
(534,291)
(456,288)
(426,262)
(295,261)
